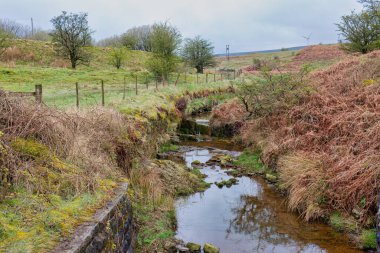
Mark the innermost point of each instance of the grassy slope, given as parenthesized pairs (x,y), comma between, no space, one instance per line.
(32,221)
(23,72)
(237,62)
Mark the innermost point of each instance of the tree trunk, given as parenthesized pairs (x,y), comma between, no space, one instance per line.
(199,69)
(73,64)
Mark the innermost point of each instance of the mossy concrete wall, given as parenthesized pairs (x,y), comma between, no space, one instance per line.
(111,229)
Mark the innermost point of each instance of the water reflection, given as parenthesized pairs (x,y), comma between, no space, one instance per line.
(248,217)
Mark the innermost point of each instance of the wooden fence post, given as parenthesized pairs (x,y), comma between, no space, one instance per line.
(185,77)
(124,88)
(77,93)
(156,83)
(103,102)
(234,74)
(146,82)
(197,78)
(136,86)
(207,78)
(221,76)
(38,93)
(214,77)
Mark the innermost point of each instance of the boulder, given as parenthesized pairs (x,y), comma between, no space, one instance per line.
(209,248)
(193,247)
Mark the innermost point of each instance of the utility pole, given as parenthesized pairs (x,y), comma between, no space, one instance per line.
(31,21)
(228,52)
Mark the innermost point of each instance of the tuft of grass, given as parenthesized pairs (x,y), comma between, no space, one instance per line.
(368,239)
(167,147)
(340,223)
(251,162)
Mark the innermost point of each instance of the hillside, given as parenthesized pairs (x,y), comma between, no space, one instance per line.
(28,63)
(316,57)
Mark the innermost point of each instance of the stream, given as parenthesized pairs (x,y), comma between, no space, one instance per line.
(250,216)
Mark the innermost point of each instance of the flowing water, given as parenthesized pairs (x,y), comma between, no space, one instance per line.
(248,217)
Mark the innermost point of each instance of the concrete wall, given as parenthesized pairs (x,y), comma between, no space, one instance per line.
(112,229)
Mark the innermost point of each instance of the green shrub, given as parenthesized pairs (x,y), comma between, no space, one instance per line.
(272,92)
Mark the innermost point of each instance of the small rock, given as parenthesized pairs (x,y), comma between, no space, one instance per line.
(182,249)
(193,247)
(196,162)
(220,184)
(271,178)
(209,248)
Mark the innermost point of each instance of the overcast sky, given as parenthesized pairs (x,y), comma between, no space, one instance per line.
(247,25)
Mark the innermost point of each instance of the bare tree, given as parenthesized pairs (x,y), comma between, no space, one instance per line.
(71,35)
(138,38)
(14,29)
(113,41)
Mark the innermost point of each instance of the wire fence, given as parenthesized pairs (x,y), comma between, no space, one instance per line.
(102,93)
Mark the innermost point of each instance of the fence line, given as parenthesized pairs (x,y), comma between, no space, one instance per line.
(81,94)
(37,94)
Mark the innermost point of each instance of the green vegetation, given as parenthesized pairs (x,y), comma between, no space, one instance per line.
(35,222)
(272,92)
(165,41)
(202,104)
(198,53)
(154,189)
(362,30)
(168,147)
(368,239)
(341,223)
(250,162)
(237,62)
(117,57)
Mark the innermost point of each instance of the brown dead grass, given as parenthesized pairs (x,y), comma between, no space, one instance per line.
(14,53)
(316,53)
(320,52)
(231,112)
(83,146)
(340,125)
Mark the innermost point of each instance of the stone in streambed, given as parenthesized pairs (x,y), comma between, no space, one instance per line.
(182,249)
(271,178)
(193,247)
(209,248)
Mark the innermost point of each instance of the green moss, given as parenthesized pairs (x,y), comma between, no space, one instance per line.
(336,221)
(168,147)
(340,223)
(36,222)
(368,239)
(30,147)
(251,162)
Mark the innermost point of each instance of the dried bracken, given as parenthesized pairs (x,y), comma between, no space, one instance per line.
(338,125)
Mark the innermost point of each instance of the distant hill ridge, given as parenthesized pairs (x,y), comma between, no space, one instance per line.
(263,51)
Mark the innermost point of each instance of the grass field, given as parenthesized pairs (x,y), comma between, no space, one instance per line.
(237,62)
(35,215)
